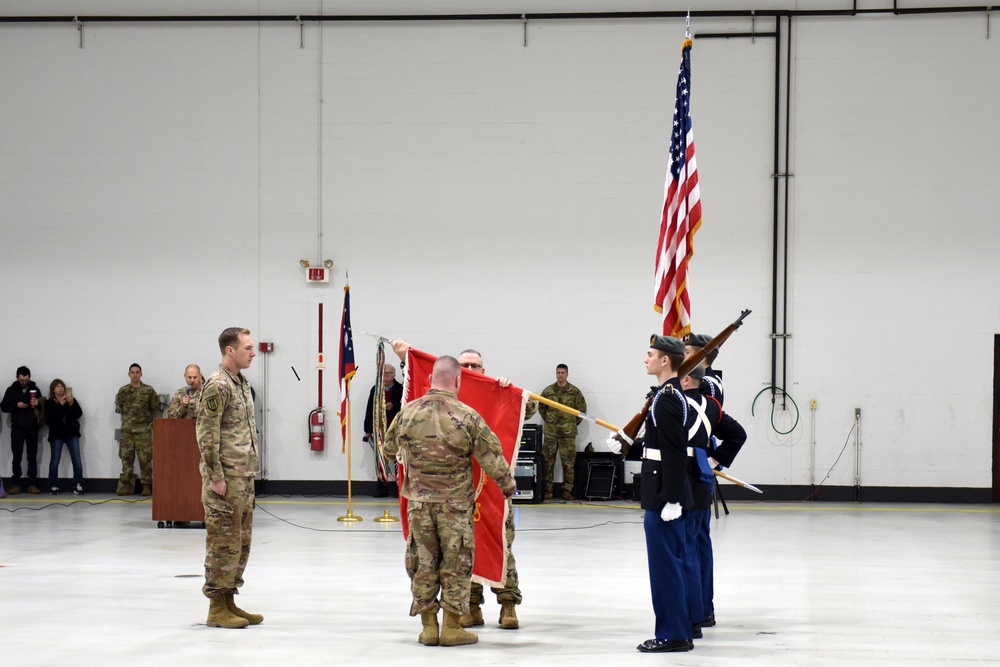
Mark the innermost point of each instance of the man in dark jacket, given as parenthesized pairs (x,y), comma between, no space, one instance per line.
(21,400)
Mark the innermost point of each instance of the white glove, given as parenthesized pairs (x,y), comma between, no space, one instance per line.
(713,464)
(614,446)
(671,511)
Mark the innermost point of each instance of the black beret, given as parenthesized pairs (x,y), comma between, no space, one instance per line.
(666,344)
(697,340)
(698,372)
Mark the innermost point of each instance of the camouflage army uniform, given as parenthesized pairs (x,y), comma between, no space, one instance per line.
(559,433)
(177,409)
(436,437)
(227,438)
(138,406)
(511,589)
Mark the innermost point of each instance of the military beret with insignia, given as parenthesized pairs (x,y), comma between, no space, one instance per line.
(698,372)
(697,340)
(666,344)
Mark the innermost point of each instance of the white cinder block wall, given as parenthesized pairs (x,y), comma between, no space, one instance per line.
(164,181)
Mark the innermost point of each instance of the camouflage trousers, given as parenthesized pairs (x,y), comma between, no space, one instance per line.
(511,591)
(228,531)
(135,444)
(566,446)
(439,555)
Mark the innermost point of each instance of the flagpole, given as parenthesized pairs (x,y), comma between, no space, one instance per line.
(347,361)
(612,427)
(350,511)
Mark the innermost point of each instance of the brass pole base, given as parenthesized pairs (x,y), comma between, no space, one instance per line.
(386,518)
(350,517)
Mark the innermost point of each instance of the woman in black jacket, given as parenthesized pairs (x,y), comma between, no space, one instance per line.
(62,416)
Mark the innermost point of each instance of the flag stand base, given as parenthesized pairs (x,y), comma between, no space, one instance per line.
(349,517)
(386,518)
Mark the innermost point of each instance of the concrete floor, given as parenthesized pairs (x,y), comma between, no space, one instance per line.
(91,580)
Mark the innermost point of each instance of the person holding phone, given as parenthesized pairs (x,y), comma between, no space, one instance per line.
(62,416)
(20,401)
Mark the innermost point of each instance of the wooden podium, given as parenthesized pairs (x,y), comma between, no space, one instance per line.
(176,478)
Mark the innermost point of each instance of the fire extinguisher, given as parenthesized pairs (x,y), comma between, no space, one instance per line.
(317,437)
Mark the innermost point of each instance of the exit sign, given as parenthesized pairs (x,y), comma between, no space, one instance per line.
(317,275)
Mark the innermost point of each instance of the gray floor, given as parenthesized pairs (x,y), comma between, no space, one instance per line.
(93,581)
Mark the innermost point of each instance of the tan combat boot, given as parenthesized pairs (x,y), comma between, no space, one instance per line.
(219,615)
(253,619)
(147,490)
(429,635)
(452,633)
(474,617)
(508,616)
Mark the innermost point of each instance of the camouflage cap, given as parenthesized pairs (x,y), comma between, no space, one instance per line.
(697,340)
(666,344)
(698,372)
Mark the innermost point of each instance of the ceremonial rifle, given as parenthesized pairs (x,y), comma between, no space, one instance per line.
(626,436)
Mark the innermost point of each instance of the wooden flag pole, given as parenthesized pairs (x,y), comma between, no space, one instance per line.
(612,427)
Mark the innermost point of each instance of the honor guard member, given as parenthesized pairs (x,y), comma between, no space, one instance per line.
(710,425)
(711,385)
(559,430)
(227,439)
(138,404)
(435,437)
(719,456)
(508,595)
(664,493)
(184,404)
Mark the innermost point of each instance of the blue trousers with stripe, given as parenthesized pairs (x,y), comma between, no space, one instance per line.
(665,547)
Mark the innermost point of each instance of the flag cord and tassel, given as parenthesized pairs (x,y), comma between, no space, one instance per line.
(382,466)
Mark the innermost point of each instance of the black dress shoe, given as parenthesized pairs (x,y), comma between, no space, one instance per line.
(696,631)
(709,621)
(665,645)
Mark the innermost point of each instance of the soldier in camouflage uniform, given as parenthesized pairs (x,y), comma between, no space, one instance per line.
(138,404)
(508,595)
(185,402)
(227,439)
(559,430)
(435,437)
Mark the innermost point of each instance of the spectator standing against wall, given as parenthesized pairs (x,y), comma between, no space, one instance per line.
(20,401)
(138,404)
(62,416)
(559,430)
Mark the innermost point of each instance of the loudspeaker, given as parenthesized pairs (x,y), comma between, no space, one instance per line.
(531,439)
(529,475)
(600,480)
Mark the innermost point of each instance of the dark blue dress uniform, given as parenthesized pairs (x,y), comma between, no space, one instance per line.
(710,426)
(664,480)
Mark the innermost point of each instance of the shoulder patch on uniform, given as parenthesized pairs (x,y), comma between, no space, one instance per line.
(210,400)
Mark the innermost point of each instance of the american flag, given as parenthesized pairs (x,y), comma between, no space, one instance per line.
(347,367)
(681,214)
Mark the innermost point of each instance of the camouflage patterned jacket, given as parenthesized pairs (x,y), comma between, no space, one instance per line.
(177,409)
(138,406)
(557,422)
(227,428)
(436,437)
